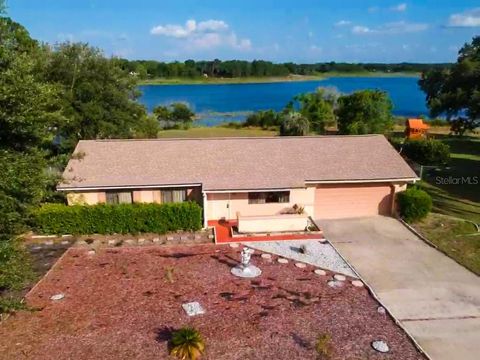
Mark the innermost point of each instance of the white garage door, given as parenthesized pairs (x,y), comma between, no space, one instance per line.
(343,201)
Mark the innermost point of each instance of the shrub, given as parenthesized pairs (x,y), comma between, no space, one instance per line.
(323,346)
(414,204)
(117,219)
(15,268)
(294,124)
(11,305)
(427,152)
(187,344)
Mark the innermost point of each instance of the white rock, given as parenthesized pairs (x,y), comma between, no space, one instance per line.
(112,242)
(381,310)
(57,297)
(234,245)
(380,346)
(282,261)
(91,252)
(300,265)
(339,277)
(335,284)
(156,240)
(193,308)
(141,241)
(266,256)
(357,283)
(320,272)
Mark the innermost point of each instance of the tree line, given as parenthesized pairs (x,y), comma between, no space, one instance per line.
(151,69)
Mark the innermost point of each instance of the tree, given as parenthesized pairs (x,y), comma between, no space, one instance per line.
(29,107)
(23,185)
(318,107)
(294,124)
(365,112)
(98,95)
(455,92)
(181,112)
(147,127)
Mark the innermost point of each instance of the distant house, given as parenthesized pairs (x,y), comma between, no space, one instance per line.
(415,129)
(243,178)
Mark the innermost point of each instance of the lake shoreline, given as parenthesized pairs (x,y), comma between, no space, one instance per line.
(274,79)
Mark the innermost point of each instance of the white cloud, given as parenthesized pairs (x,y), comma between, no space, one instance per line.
(469,18)
(399,27)
(203,35)
(361,30)
(373,9)
(342,23)
(315,48)
(399,8)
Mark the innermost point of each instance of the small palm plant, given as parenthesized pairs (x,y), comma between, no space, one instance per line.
(187,344)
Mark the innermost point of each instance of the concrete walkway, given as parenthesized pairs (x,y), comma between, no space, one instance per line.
(436,300)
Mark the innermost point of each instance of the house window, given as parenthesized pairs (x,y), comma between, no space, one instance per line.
(174,196)
(269,197)
(119,197)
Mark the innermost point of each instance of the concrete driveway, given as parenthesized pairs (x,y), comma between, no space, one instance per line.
(436,300)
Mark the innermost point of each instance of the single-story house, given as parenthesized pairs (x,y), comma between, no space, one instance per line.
(234,178)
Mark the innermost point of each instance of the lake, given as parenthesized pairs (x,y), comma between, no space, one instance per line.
(232,102)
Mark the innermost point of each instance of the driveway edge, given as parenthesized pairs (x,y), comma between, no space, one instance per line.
(372,292)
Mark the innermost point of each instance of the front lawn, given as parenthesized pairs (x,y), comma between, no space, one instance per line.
(124,303)
(457,238)
(455,191)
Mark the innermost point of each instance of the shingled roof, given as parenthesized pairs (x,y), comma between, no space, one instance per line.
(233,163)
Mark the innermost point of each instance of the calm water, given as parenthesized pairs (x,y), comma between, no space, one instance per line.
(232,102)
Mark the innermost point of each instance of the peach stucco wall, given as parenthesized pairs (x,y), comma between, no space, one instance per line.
(139,196)
(228,205)
(85,198)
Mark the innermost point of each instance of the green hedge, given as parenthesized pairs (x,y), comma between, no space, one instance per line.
(427,152)
(117,219)
(414,204)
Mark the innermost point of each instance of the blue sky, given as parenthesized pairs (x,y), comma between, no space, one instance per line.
(298,31)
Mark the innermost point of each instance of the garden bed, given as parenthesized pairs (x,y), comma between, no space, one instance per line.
(123,303)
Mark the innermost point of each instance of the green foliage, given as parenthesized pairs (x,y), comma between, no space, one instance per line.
(264,119)
(187,344)
(414,204)
(97,95)
(174,116)
(181,112)
(365,112)
(323,346)
(294,124)
(29,107)
(15,268)
(147,127)
(11,305)
(427,152)
(258,68)
(317,107)
(22,186)
(455,91)
(117,219)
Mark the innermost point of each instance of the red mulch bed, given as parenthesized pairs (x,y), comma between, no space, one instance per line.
(119,304)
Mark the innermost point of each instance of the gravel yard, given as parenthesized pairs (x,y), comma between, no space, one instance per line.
(123,303)
(320,254)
